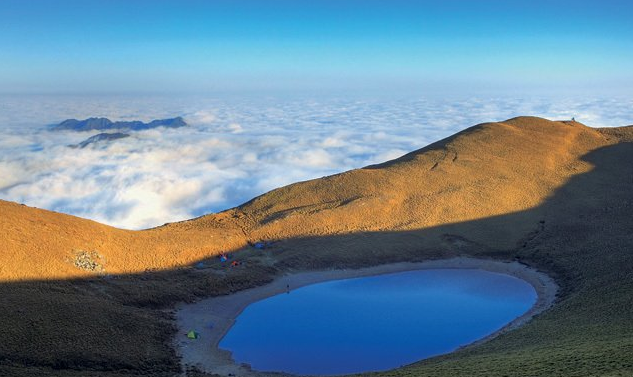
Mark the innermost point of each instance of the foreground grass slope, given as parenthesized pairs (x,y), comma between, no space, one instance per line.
(555,195)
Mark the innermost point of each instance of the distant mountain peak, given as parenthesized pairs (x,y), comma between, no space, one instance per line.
(105,124)
(104,136)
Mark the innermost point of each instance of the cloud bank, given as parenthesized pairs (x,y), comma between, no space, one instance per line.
(233,150)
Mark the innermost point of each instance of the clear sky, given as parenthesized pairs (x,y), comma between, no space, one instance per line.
(114,46)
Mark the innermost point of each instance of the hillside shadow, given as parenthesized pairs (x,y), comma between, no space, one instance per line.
(121,324)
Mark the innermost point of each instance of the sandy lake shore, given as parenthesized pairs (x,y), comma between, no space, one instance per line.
(213,317)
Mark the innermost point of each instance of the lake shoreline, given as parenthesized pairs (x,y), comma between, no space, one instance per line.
(213,317)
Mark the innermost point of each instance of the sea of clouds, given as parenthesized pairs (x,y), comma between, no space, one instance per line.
(232,150)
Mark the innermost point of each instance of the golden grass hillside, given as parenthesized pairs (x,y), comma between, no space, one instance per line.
(487,170)
(78,298)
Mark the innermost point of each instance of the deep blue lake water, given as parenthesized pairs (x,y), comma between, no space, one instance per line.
(375,323)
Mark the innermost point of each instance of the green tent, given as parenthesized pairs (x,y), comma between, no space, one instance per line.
(192,334)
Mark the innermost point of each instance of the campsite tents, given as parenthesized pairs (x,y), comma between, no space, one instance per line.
(192,335)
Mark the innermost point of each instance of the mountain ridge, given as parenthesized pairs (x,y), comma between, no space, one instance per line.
(104,124)
(100,137)
(420,189)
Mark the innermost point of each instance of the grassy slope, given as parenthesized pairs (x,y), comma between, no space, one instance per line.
(552,194)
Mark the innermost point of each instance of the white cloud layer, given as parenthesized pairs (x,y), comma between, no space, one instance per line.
(232,151)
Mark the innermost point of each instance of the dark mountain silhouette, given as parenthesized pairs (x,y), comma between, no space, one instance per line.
(105,124)
(104,136)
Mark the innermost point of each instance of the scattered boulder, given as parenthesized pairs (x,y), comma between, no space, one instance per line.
(88,261)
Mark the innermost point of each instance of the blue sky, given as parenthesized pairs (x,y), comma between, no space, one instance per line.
(239,46)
